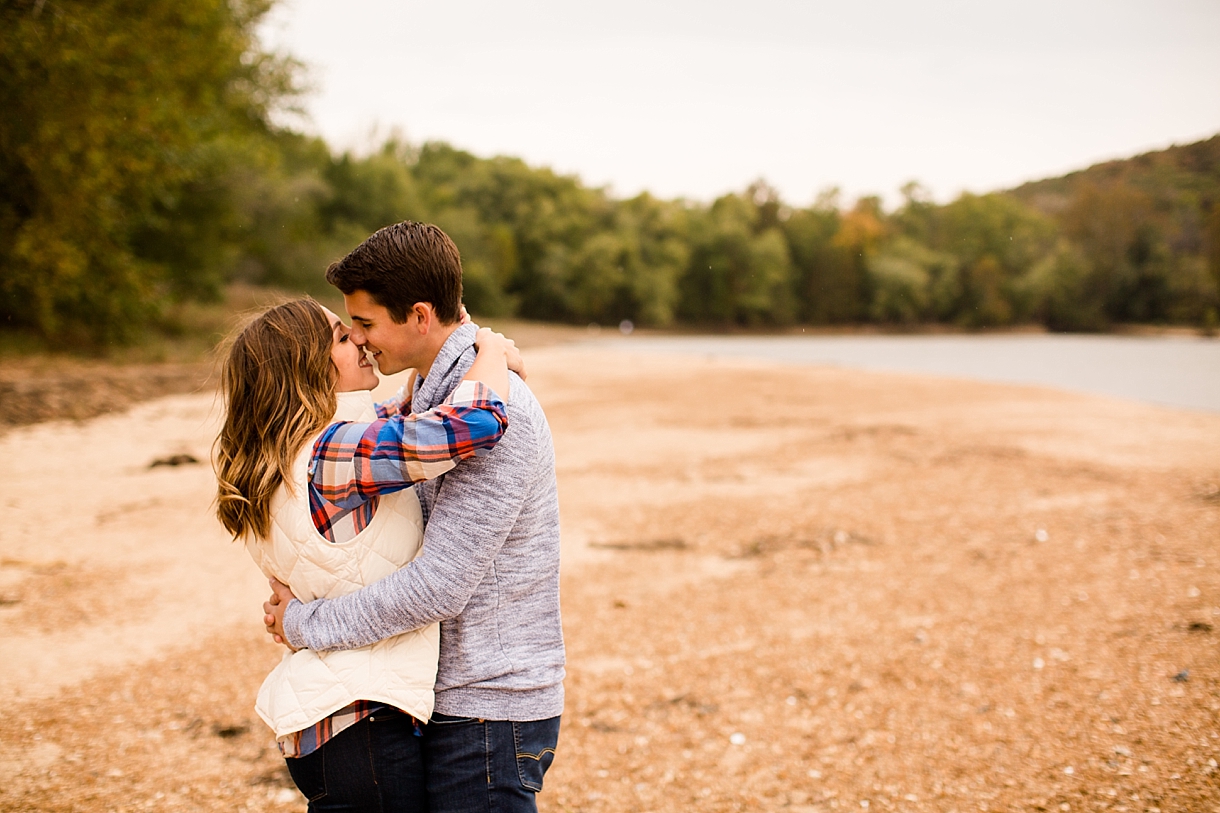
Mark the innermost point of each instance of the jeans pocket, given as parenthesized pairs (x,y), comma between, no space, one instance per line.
(309,774)
(535,743)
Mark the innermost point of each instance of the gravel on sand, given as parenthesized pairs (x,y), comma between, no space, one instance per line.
(784,588)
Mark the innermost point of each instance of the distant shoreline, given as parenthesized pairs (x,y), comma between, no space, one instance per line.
(39,386)
(1168,369)
(930,329)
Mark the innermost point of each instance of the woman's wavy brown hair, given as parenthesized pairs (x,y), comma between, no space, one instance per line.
(278,383)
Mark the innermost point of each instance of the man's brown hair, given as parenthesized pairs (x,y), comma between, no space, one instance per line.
(403,264)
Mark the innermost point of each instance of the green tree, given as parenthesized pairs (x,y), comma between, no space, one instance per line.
(121,123)
(658,253)
(904,277)
(824,284)
(375,191)
(995,239)
(627,268)
(548,215)
(1115,227)
(740,272)
(1059,290)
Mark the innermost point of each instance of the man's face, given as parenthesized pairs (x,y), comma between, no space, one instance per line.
(394,347)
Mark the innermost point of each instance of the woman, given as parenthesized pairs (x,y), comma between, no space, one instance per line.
(315,479)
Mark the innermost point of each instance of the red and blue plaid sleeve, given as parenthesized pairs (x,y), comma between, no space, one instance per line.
(355,462)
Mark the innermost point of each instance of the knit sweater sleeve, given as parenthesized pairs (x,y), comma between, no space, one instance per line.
(474,511)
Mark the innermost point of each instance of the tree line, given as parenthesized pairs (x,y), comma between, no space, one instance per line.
(140,165)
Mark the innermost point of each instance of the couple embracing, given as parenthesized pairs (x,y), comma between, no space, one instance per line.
(413,545)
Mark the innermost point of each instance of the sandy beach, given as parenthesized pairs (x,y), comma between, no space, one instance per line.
(785,588)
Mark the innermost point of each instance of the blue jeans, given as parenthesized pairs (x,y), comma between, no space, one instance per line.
(487,766)
(375,765)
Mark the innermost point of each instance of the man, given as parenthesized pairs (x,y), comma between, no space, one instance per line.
(489,570)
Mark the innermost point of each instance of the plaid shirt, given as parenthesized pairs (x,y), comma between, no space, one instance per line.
(354,463)
(303,743)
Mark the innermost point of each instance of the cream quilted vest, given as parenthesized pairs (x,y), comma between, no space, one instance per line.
(308,686)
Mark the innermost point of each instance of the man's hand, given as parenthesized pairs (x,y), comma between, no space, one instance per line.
(274,608)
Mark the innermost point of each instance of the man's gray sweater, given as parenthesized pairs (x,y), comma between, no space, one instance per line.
(489,569)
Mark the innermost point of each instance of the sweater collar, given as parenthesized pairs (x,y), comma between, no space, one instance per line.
(446,369)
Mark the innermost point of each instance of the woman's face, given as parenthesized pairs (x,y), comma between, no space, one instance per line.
(355,370)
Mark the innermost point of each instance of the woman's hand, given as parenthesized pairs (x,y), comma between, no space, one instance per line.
(273,612)
(488,339)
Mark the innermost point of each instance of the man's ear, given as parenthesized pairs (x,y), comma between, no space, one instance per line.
(425,317)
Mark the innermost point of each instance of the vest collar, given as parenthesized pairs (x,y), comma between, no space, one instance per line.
(354,406)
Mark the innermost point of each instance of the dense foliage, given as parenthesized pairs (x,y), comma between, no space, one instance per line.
(1078,254)
(139,165)
(130,131)
(1144,237)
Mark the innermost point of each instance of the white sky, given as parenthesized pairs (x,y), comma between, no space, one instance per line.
(695,99)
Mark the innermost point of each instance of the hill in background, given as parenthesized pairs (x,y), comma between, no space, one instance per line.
(1180,177)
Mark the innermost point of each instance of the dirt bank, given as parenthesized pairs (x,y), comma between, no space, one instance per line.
(36,392)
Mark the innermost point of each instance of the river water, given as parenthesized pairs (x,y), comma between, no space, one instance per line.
(1172,371)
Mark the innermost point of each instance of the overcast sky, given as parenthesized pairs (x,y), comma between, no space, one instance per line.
(695,99)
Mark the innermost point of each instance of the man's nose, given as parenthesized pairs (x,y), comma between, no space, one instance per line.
(357,336)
